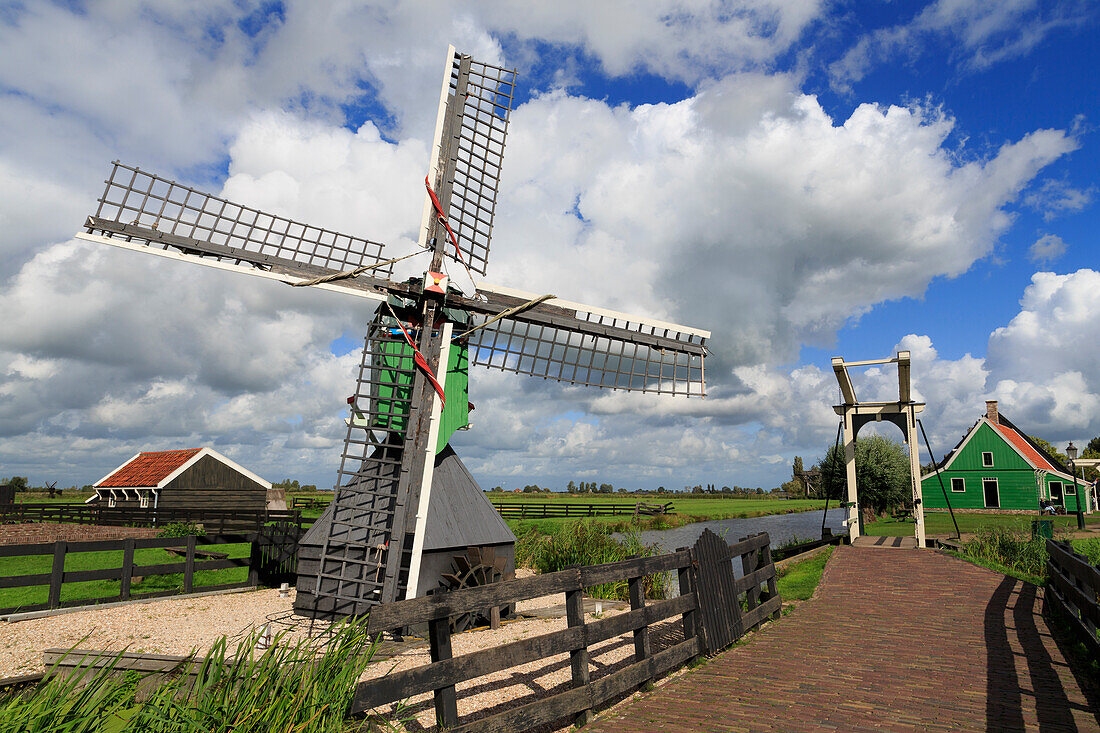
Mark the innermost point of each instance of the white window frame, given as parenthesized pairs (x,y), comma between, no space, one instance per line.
(1068,489)
(111,500)
(962,482)
(143,500)
(988,464)
(997,484)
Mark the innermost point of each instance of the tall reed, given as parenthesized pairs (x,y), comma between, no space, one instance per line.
(291,687)
(1011,548)
(588,543)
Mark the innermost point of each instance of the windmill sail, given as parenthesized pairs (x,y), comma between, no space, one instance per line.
(474,129)
(579,344)
(144,208)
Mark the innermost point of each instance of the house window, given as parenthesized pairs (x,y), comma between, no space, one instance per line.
(145,501)
(1071,489)
(958,485)
(111,500)
(1056,490)
(987,459)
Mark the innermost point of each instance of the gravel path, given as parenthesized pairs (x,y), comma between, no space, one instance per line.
(180,625)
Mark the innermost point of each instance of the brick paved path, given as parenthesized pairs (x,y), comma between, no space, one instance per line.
(896,640)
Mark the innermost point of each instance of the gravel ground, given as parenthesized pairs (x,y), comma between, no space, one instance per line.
(178,626)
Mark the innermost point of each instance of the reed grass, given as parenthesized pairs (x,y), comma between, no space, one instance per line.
(1010,548)
(292,687)
(586,542)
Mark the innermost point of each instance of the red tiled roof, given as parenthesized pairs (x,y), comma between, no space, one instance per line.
(148,469)
(1024,447)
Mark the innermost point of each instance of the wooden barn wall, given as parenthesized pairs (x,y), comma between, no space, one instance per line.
(210,484)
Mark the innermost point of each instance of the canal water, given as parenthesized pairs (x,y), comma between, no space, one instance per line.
(781,529)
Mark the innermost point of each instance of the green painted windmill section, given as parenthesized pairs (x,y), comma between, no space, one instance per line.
(395,394)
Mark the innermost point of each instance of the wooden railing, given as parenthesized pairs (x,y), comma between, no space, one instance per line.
(309,502)
(1073,587)
(788,551)
(551,508)
(708,607)
(272,558)
(214,520)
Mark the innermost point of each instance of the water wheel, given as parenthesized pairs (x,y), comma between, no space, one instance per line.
(478,566)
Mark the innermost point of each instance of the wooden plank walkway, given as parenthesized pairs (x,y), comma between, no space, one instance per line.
(895,640)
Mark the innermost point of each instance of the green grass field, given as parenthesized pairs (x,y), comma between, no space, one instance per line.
(21,597)
(686,510)
(798,581)
(940,523)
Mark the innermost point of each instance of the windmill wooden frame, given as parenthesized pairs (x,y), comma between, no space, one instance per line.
(376,527)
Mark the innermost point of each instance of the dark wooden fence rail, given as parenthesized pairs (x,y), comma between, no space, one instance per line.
(782,553)
(216,520)
(699,570)
(1073,587)
(272,559)
(551,508)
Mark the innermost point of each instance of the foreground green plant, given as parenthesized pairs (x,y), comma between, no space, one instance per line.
(289,687)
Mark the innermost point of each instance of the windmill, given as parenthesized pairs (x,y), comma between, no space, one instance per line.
(410,393)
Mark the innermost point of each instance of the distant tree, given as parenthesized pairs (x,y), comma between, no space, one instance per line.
(882,473)
(726,490)
(309,487)
(661,489)
(571,488)
(759,490)
(621,491)
(1093,447)
(697,489)
(19,483)
(606,488)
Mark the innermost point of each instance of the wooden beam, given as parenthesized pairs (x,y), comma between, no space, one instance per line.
(847,391)
(903,377)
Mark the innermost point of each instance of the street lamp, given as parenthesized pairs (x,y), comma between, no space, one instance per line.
(1071,454)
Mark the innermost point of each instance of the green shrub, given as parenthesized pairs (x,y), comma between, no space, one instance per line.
(181,529)
(1090,548)
(587,543)
(1012,548)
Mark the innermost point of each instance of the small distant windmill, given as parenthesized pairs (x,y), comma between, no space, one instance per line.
(52,488)
(411,391)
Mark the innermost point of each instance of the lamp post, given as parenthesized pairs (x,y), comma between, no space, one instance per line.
(1071,454)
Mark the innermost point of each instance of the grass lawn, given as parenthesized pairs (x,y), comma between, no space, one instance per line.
(30,565)
(686,510)
(940,523)
(798,581)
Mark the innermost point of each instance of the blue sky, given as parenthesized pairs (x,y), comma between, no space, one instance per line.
(805,179)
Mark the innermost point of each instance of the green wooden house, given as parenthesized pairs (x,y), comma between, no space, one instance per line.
(997,468)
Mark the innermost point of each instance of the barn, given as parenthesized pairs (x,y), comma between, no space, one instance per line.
(996,467)
(197,478)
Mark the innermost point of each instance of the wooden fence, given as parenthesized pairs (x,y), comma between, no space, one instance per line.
(309,502)
(272,559)
(552,508)
(213,520)
(782,553)
(1073,587)
(708,607)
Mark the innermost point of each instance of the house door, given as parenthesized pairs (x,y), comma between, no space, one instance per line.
(1056,493)
(992,495)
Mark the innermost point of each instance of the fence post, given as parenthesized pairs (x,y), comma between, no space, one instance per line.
(189,568)
(439,644)
(684,576)
(57,574)
(578,658)
(642,648)
(773,589)
(750,561)
(127,569)
(255,557)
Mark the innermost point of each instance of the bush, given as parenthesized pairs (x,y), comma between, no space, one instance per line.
(181,529)
(1012,548)
(587,543)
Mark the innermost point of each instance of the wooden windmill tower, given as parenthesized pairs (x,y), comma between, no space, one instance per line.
(410,393)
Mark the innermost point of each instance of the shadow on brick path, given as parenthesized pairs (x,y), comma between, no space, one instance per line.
(896,640)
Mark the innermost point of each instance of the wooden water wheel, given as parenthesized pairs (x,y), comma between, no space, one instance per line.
(478,566)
